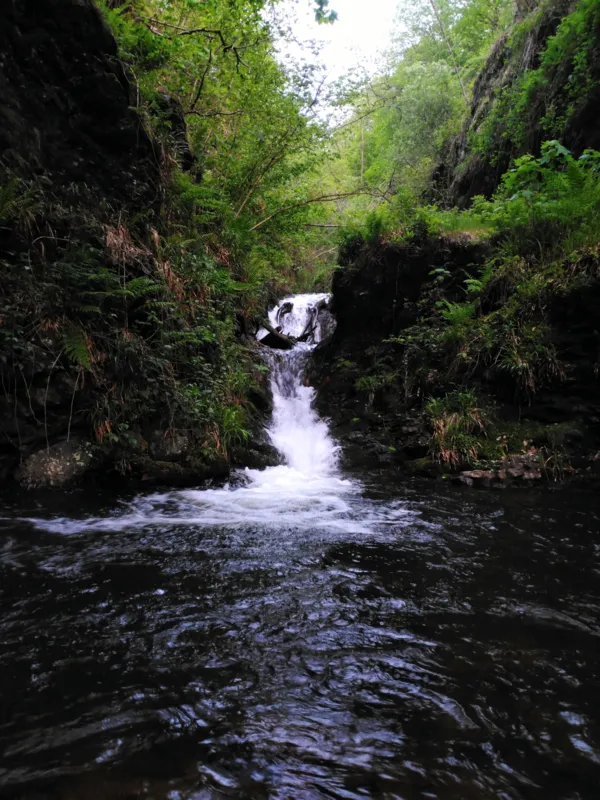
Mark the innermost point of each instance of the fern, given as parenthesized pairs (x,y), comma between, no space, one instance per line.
(77,348)
(85,309)
(141,287)
(457,314)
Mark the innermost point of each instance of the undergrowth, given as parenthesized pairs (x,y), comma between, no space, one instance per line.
(492,327)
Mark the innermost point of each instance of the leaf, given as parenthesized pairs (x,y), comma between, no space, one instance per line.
(77,348)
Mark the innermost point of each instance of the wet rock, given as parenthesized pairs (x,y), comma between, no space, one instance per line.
(261,400)
(257,452)
(285,308)
(278,341)
(170,445)
(59,466)
(482,477)
(254,458)
(151,472)
(326,322)
(526,467)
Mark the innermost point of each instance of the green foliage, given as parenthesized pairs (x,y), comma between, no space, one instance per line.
(459,424)
(18,204)
(547,204)
(528,357)
(543,222)
(8,199)
(251,125)
(458,316)
(399,123)
(76,347)
(323,13)
(544,99)
(233,427)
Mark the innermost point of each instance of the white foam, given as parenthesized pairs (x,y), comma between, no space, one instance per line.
(306,491)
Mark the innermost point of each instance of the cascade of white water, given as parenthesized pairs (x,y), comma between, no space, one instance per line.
(307,490)
(296,430)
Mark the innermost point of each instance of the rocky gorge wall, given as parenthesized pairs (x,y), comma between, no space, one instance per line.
(86,363)
(541,81)
(390,357)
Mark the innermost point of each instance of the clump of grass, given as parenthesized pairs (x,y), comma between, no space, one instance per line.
(458,422)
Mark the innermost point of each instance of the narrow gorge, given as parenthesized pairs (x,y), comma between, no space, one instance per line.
(300,370)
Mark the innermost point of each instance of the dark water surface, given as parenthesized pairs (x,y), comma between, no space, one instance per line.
(421,644)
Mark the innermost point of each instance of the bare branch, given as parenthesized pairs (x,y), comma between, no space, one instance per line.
(202,79)
(216,113)
(210,32)
(358,119)
(324,198)
(450,49)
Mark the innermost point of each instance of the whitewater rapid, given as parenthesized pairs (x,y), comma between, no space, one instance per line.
(306,490)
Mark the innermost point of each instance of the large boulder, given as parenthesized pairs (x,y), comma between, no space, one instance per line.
(151,472)
(171,445)
(59,466)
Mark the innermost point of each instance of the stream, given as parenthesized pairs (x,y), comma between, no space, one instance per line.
(301,633)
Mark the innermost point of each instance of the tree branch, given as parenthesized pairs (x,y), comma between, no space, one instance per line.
(354,120)
(210,32)
(450,49)
(202,79)
(216,113)
(324,198)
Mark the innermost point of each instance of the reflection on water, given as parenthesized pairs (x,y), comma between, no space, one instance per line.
(424,645)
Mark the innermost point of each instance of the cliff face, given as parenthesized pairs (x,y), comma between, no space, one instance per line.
(542,81)
(392,352)
(66,104)
(73,155)
(102,333)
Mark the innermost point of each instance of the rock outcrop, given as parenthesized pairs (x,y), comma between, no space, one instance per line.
(59,466)
(373,380)
(67,105)
(81,183)
(521,99)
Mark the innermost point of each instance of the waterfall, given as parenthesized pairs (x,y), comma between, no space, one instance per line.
(305,492)
(295,429)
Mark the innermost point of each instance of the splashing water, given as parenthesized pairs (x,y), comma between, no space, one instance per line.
(296,431)
(307,490)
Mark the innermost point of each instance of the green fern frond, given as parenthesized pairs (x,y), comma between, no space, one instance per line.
(83,309)
(141,287)
(76,347)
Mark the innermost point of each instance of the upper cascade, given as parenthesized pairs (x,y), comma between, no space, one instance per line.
(298,319)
